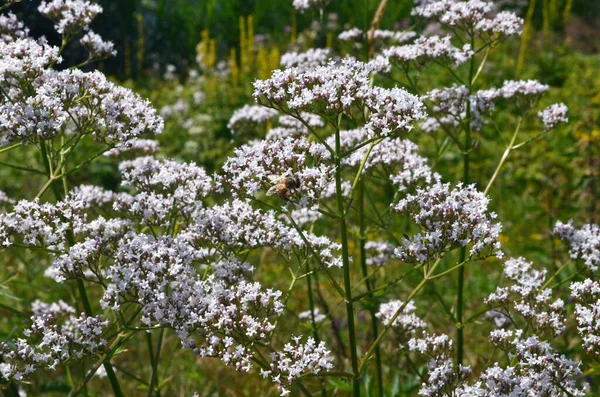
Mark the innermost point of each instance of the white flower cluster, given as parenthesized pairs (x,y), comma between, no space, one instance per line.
(11,28)
(554,115)
(448,219)
(336,88)
(539,370)
(250,170)
(350,34)
(54,337)
(584,242)
(305,5)
(97,47)
(310,59)
(587,314)
(428,49)
(114,116)
(247,117)
(133,146)
(156,273)
(164,189)
(527,298)
(237,225)
(444,378)
(525,93)
(40,225)
(70,16)
(297,359)
(406,323)
(399,156)
(471,15)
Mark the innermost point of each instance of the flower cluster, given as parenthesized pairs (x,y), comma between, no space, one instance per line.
(237,225)
(472,15)
(97,47)
(554,115)
(448,219)
(428,49)
(306,60)
(525,93)
(11,28)
(584,242)
(336,88)
(248,116)
(587,314)
(539,370)
(307,316)
(389,36)
(55,337)
(165,189)
(529,298)
(297,359)
(444,377)
(70,16)
(254,164)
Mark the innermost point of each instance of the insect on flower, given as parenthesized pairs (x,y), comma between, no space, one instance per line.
(283,185)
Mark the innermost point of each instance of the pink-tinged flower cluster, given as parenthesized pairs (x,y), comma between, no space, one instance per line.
(472,16)
(310,59)
(399,157)
(70,16)
(254,164)
(524,93)
(55,337)
(11,28)
(444,378)
(536,369)
(584,242)
(587,314)
(97,47)
(248,117)
(295,360)
(236,225)
(336,88)
(449,219)
(528,297)
(429,49)
(554,115)
(23,60)
(164,189)
(205,312)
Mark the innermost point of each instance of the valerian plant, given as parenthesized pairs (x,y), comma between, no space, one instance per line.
(172,250)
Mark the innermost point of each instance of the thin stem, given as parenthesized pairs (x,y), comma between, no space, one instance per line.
(504,156)
(363,265)
(463,251)
(154,377)
(346,264)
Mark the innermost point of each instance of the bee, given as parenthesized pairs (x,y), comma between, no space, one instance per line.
(283,185)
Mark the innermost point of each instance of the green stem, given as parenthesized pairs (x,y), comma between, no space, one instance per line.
(346,264)
(504,156)
(363,265)
(154,377)
(463,251)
